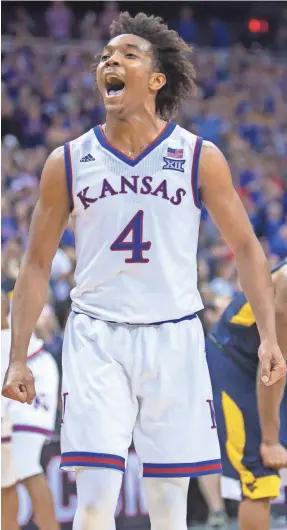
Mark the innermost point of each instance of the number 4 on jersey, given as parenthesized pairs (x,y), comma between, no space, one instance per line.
(137,245)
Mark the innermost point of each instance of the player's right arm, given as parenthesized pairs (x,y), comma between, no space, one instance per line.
(224,205)
(269,398)
(49,220)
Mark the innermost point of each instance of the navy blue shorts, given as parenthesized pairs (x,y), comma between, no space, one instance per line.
(235,402)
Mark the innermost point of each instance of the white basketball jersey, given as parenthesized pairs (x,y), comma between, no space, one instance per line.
(136,227)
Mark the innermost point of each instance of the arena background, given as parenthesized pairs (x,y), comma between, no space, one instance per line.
(48,98)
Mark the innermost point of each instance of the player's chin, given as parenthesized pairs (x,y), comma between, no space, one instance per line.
(114,102)
(115,107)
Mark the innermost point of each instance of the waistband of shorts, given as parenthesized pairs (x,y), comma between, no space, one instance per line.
(176,321)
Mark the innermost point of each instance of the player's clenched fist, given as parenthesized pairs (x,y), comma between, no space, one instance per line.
(19,383)
(273,365)
(274,455)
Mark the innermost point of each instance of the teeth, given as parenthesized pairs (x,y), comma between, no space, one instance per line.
(115,92)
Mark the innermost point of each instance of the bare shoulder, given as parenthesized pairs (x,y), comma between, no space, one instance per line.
(210,155)
(53,178)
(56,160)
(53,184)
(213,166)
(209,147)
(57,154)
(52,210)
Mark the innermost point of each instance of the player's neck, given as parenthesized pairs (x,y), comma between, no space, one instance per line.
(133,135)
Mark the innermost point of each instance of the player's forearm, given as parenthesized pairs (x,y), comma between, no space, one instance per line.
(269,400)
(29,297)
(256,281)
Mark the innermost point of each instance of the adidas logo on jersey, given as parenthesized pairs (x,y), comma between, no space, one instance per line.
(87,158)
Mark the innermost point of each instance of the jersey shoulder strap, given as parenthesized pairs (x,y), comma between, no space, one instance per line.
(77,153)
(194,143)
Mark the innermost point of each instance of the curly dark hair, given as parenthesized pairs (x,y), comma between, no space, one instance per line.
(171,55)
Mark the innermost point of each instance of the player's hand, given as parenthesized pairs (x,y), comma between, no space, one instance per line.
(274,456)
(19,383)
(273,365)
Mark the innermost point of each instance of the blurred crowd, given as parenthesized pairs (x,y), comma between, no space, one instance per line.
(48,97)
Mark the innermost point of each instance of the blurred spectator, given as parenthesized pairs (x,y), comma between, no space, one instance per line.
(186,25)
(89,28)
(9,126)
(278,242)
(59,20)
(61,283)
(107,16)
(22,24)
(23,214)
(11,260)
(8,222)
(211,491)
(214,310)
(49,331)
(281,39)
(220,37)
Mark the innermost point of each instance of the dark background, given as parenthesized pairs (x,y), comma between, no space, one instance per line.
(236,14)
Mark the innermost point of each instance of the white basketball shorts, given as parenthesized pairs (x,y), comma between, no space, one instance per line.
(150,383)
(25,428)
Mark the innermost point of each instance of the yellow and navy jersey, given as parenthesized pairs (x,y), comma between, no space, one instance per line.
(236,330)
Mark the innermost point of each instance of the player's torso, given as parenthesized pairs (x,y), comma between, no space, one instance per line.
(237,330)
(136,228)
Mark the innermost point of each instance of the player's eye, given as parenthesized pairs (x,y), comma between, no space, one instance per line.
(130,55)
(105,57)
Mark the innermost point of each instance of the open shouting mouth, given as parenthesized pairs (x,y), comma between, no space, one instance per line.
(114,86)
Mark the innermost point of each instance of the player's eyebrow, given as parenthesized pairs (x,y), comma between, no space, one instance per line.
(133,46)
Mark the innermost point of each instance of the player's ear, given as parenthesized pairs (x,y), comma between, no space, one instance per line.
(157,81)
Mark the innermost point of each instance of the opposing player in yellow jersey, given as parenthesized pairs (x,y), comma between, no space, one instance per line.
(251,423)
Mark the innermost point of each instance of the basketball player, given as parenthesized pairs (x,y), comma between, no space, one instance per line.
(24,431)
(248,420)
(133,353)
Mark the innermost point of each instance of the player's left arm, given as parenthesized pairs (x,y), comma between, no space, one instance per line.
(225,207)
(269,398)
